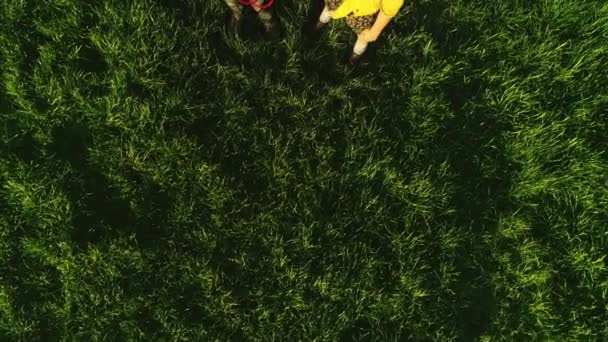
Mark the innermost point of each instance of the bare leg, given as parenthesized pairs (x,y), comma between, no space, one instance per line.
(358,50)
(324,18)
(360,46)
(235,8)
(359,25)
(325,15)
(265,16)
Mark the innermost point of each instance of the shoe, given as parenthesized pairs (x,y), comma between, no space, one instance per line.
(318,26)
(354,58)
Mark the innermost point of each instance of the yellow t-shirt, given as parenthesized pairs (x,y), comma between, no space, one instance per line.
(368,7)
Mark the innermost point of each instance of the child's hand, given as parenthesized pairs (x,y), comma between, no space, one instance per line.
(368,35)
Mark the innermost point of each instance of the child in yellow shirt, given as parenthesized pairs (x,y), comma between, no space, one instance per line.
(367,18)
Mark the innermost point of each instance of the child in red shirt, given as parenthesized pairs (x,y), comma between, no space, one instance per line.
(263,12)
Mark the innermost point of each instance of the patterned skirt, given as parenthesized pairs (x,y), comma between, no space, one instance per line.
(357,24)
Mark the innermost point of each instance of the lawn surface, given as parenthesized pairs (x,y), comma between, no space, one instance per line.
(163,180)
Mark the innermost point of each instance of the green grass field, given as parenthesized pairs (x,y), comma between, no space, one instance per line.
(163,180)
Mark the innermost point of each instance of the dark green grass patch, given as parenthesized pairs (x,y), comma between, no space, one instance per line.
(162,179)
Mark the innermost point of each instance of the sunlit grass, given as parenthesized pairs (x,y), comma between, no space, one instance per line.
(162,179)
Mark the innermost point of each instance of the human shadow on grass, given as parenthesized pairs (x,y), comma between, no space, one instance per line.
(470,141)
(467,140)
(19,142)
(94,66)
(481,178)
(90,59)
(232,153)
(449,32)
(319,61)
(100,210)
